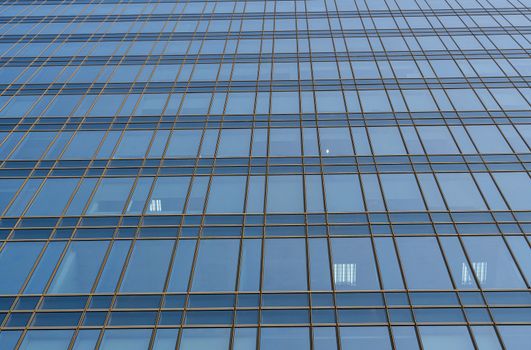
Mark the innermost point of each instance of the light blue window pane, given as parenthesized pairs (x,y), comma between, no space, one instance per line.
(514,139)
(234,143)
(309,141)
(284,194)
(148,266)
(329,101)
(251,261)
(353,338)
(285,338)
(386,140)
(33,145)
(134,144)
(405,338)
(159,144)
(457,263)
(86,339)
(196,103)
(62,105)
(259,147)
(108,145)
(106,105)
(412,141)
(335,142)
(437,140)
(209,143)
(57,146)
(486,338)
(244,339)
(240,103)
(184,143)
(490,191)
(169,195)
(113,267)
(284,102)
(492,263)
(216,265)
(462,139)
(9,144)
(284,142)
(372,193)
(18,106)
(182,265)
(125,339)
(8,188)
(285,264)
(389,268)
(46,340)
(464,100)
(79,267)
(515,337)
(16,261)
(423,263)
(79,201)
(374,101)
(314,194)
(205,338)
(516,188)
(431,192)
(488,139)
(9,339)
(520,249)
(343,193)
(361,141)
(353,264)
(401,192)
(319,264)
(419,100)
(510,99)
(227,194)
(151,104)
(460,191)
(196,200)
(445,337)
(110,196)
(165,339)
(56,191)
(138,198)
(44,269)
(255,194)
(324,338)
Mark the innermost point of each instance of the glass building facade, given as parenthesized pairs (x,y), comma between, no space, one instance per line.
(265,175)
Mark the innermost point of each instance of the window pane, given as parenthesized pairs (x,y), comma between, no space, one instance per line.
(335,142)
(205,338)
(445,337)
(386,140)
(110,196)
(460,192)
(492,263)
(16,261)
(169,195)
(216,265)
(353,264)
(234,143)
(125,339)
(147,268)
(353,338)
(401,192)
(285,339)
(79,267)
(343,193)
(46,340)
(56,192)
(285,264)
(423,263)
(227,194)
(516,189)
(284,142)
(284,194)
(184,143)
(134,144)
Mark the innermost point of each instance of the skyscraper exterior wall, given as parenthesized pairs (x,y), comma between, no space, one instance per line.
(265,175)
